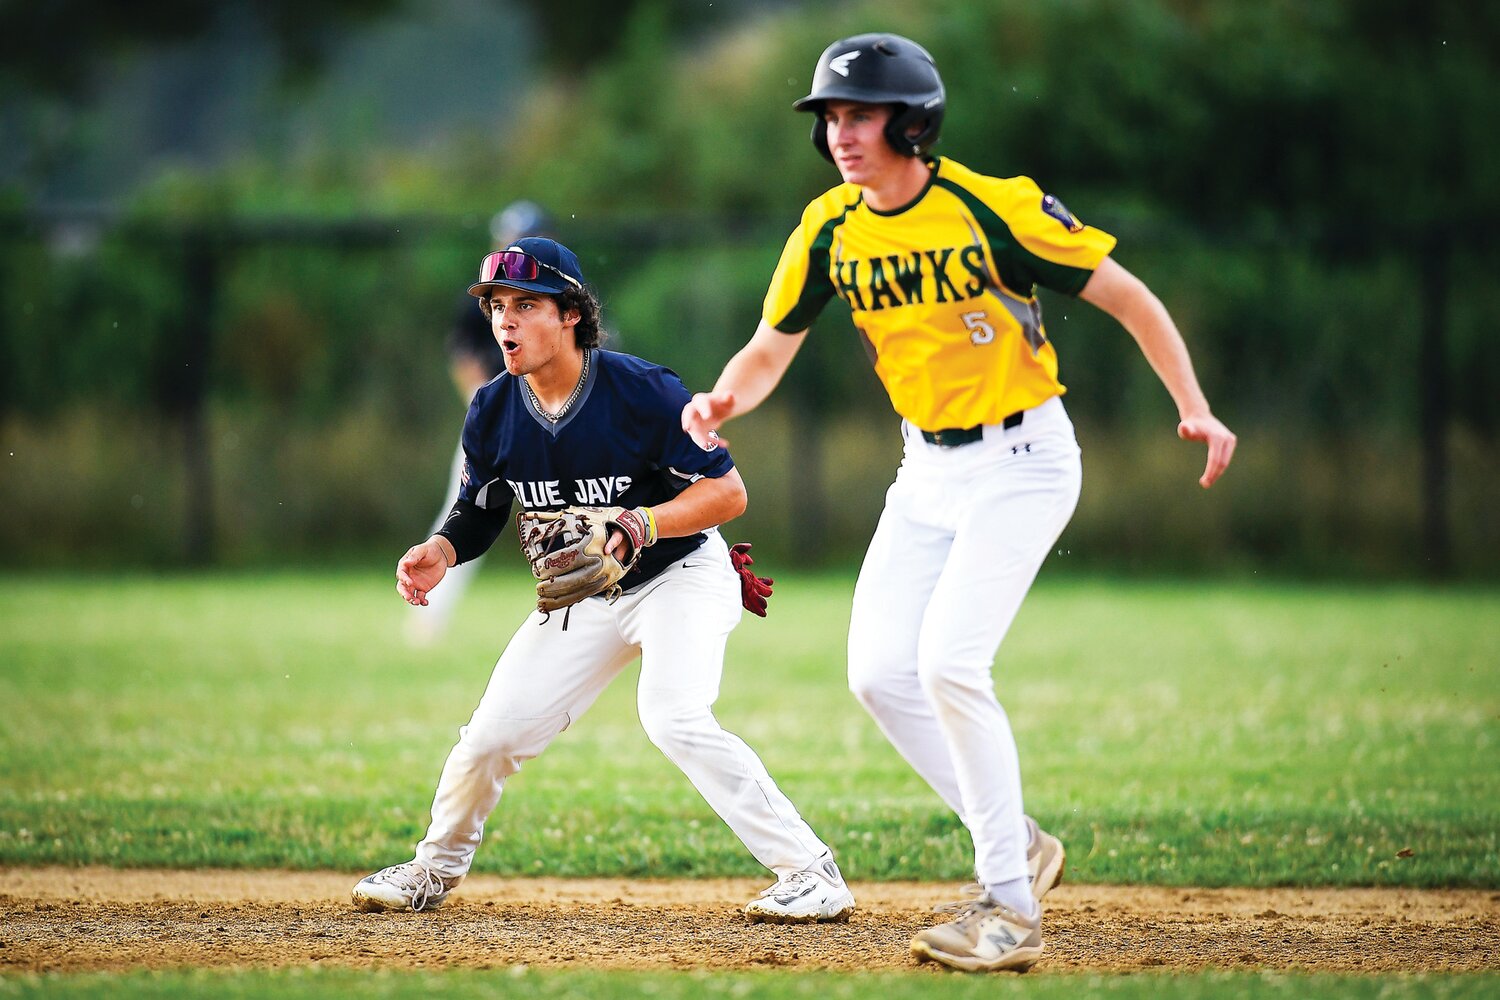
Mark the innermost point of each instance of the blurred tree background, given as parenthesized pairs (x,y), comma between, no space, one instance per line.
(232,238)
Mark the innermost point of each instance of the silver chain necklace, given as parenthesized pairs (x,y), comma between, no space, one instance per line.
(583,376)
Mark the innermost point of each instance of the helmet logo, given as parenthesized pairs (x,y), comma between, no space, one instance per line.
(840,64)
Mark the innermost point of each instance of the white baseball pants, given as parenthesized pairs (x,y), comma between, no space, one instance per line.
(959,543)
(678,623)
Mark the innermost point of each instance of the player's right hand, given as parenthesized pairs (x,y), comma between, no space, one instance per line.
(1220,440)
(419,570)
(703,415)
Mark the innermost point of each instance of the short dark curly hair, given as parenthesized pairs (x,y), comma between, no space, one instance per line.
(589,331)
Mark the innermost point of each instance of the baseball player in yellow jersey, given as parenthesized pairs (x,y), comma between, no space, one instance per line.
(939,266)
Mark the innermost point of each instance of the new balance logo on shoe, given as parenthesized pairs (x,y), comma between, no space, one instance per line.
(1001,939)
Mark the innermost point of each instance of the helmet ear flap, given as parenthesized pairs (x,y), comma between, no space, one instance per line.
(820,136)
(897,137)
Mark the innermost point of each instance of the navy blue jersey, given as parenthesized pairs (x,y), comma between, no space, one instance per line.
(621,445)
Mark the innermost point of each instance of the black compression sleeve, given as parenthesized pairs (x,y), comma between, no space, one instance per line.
(471,529)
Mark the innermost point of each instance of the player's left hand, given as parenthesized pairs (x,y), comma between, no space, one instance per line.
(618,545)
(1220,440)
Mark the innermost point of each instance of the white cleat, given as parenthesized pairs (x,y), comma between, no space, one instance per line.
(411,886)
(813,895)
(986,937)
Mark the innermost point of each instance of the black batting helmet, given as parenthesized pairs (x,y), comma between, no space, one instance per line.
(880,69)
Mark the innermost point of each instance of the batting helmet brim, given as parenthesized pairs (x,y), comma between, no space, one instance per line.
(815,102)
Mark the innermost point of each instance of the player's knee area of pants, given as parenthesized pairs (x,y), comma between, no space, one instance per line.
(676,726)
(511,738)
(867,687)
(877,682)
(944,681)
(878,667)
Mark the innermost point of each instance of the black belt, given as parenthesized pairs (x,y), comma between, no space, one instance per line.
(953,437)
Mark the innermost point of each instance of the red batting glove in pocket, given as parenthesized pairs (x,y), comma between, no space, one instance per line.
(753,589)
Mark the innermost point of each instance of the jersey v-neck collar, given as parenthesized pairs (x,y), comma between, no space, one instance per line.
(935,163)
(583,394)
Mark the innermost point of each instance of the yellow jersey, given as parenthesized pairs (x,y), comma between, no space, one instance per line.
(943,290)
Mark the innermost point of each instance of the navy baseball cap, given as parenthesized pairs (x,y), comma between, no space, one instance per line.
(535,264)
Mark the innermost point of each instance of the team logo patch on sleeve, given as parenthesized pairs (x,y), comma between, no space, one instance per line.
(464,474)
(1060,212)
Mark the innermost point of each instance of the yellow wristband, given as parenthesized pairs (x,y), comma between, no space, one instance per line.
(651,531)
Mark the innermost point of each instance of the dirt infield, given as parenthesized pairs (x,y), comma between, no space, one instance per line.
(66,919)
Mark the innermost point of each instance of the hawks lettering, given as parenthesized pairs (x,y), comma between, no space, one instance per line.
(903,279)
(880,289)
(848,282)
(908,275)
(972,259)
(940,272)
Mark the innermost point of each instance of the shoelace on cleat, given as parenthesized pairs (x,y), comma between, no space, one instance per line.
(972,912)
(793,882)
(971,892)
(421,880)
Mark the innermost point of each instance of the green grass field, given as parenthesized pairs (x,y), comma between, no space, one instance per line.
(520,983)
(1195,734)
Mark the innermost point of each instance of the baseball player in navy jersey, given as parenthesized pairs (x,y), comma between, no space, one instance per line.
(473,359)
(939,266)
(570,424)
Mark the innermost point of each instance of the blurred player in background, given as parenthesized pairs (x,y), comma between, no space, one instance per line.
(939,266)
(473,359)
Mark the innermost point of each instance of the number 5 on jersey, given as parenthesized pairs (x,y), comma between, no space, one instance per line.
(980,331)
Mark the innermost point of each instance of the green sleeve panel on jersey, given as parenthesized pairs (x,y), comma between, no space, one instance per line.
(1020,269)
(817,289)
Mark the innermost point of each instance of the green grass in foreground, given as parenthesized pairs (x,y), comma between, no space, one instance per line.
(1209,734)
(520,983)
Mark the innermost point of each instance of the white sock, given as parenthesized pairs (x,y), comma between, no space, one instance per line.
(1015,894)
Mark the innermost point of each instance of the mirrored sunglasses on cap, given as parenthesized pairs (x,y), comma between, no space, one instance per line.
(517,265)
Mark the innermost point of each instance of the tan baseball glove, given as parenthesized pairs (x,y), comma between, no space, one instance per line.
(569,550)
